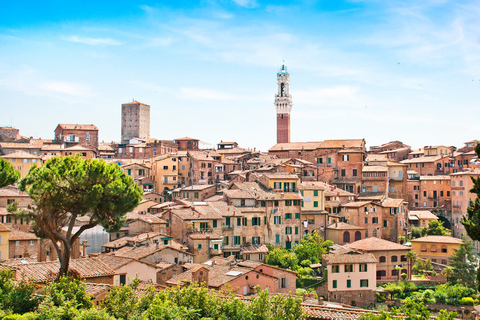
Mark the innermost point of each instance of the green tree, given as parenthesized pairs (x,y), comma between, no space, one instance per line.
(471,221)
(8,175)
(411,257)
(283,258)
(464,264)
(67,291)
(311,248)
(65,188)
(16,296)
(436,228)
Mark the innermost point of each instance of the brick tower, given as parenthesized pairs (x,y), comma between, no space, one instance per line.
(283,104)
(135,121)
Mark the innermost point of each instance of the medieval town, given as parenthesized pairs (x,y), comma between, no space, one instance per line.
(340,227)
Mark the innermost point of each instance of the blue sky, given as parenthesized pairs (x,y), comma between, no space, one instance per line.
(379,70)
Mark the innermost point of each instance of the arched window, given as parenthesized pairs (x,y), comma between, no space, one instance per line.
(423,248)
(383,259)
(394,272)
(433,248)
(444,249)
(346,237)
(394,259)
(403,258)
(404,271)
(358,235)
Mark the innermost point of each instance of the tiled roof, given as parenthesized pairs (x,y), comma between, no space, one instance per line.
(12,192)
(327,144)
(422,215)
(217,275)
(344,226)
(186,138)
(77,126)
(323,312)
(356,204)
(197,187)
(392,203)
(114,262)
(281,175)
(422,159)
(20,235)
(376,244)
(45,271)
(3,228)
(205,235)
(370,196)
(438,239)
(350,257)
(256,248)
(20,155)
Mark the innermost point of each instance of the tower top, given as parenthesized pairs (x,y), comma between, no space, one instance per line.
(283,69)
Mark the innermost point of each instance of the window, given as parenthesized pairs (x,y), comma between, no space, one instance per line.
(214,223)
(444,249)
(346,157)
(366,220)
(383,259)
(195,195)
(346,237)
(403,258)
(288,203)
(374,232)
(348,268)
(385,223)
(288,230)
(363,267)
(244,221)
(215,246)
(329,160)
(227,221)
(297,215)
(236,240)
(288,216)
(343,173)
(199,246)
(277,238)
(277,220)
(283,283)
(296,230)
(355,172)
(363,283)
(256,221)
(334,283)
(374,219)
(336,268)
(17,243)
(315,204)
(262,204)
(349,283)
(394,258)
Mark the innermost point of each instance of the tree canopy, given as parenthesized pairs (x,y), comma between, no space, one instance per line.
(464,264)
(8,175)
(66,188)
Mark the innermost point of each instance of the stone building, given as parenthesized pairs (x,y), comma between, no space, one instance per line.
(283,105)
(135,121)
(85,135)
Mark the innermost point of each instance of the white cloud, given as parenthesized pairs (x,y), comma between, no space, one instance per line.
(93,41)
(246,3)
(65,87)
(204,94)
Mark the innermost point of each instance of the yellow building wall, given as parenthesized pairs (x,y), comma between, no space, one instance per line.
(309,199)
(23,167)
(4,249)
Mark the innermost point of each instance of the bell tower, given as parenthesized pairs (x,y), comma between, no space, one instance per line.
(283,104)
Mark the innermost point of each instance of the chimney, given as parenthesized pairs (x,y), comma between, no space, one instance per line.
(157,245)
(320,301)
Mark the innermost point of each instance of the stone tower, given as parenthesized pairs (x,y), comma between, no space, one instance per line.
(135,121)
(283,104)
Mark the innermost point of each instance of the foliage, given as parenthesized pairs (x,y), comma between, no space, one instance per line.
(16,296)
(423,267)
(464,263)
(121,302)
(68,291)
(452,294)
(8,175)
(308,252)
(436,228)
(410,310)
(418,232)
(65,188)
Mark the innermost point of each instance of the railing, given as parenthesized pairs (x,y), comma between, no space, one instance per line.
(225,228)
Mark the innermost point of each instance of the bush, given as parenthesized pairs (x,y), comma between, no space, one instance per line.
(467,301)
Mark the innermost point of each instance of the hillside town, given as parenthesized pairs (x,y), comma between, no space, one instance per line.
(218,215)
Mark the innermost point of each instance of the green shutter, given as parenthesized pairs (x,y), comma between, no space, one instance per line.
(214,223)
(296,230)
(265,220)
(334,284)
(315,193)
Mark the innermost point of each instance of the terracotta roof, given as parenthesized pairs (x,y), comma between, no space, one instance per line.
(392,203)
(344,226)
(77,126)
(422,159)
(422,215)
(438,239)
(3,228)
(186,138)
(281,175)
(197,187)
(370,196)
(205,235)
(376,244)
(350,257)
(327,312)
(114,262)
(45,271)
(20,155)
(20,235)
(256,248)
(356,204)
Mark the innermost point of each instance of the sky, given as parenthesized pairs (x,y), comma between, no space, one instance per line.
(378,70)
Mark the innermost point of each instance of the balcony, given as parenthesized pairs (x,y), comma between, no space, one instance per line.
(396,178)
(226,228)
(215,252)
